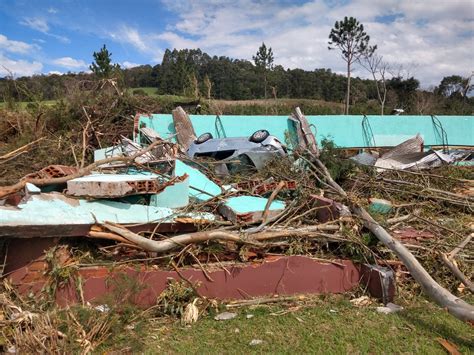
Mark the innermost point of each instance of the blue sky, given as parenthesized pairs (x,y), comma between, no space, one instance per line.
(428,39)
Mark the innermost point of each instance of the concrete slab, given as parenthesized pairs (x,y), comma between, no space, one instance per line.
(53,214)
(172,196)
(117,185)
(201,188)
(248,208)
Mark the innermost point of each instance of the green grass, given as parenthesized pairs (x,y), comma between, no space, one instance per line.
(23,104)
(150,91)
(317,329)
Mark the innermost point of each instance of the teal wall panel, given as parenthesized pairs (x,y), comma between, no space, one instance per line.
(345,131)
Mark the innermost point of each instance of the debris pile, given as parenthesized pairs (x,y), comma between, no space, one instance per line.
(148,202)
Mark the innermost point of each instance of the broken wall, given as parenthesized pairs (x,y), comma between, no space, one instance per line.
(346,131)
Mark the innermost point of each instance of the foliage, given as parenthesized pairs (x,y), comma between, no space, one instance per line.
(349,37)
(454,85)
(405,90)
(339,167)
(139,92)
(175,297)
(264,61)
(102,66)
(224,78)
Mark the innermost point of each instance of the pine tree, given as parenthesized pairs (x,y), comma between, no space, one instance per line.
(102,66)
(264,61)
(350,38)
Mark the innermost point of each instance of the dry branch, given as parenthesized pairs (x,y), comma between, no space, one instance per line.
(456,306)
(23,149)
(161,246)
(455,270)
(8,190)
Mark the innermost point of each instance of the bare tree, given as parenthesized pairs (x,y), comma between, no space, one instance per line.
(379,69)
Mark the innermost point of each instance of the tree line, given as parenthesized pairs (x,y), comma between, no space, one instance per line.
(194,73)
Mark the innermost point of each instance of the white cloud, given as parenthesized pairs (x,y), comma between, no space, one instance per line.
(131,36)
(55,72)
(128,65)
(70,63)
(143,43)
(60,38)
(18,47)
(41,25)
(52,10)
(436,38)
(18,67)
(36,23)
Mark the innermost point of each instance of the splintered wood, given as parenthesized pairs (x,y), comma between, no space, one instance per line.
(185,134)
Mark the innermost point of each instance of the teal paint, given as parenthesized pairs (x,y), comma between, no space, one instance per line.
(173,196)
(248,204)
(55,208)
(198,182)
(109,152)
(379,205)
(345,131)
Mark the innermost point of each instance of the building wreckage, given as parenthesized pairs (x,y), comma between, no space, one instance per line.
(155,211)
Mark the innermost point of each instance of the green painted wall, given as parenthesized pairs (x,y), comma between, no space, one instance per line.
(346,131)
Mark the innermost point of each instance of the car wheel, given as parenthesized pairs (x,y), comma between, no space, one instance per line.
(203,138)
(259,136)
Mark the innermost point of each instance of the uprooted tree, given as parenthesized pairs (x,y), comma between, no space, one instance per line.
(352,41)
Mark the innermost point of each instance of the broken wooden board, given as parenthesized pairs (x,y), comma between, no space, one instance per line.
(183,126)
(306,138)
(248,209)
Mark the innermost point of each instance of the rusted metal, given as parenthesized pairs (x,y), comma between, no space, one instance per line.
(327,209)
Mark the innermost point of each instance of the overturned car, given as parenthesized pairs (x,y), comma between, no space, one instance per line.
(238,153)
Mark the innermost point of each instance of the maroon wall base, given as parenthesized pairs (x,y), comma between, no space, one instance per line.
(284,275)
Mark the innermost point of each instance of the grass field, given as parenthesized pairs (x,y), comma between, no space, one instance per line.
(23,104)
(331,326)
(281,106)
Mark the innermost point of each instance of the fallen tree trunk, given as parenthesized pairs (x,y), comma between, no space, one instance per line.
(160,246)
(456,306)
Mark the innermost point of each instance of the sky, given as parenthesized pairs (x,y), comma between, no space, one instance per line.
(428,39)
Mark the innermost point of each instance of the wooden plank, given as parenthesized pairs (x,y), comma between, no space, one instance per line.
(185,134)
(81,230)
(306,134)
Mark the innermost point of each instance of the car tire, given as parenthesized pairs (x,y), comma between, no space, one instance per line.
(259,136)
(203,138)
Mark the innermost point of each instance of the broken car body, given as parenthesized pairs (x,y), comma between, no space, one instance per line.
(254,151)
